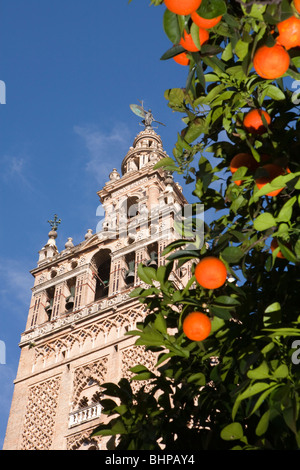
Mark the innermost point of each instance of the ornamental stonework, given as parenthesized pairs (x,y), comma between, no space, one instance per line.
(86,337)
(95,371)
(84,441)
(137,355)
(40,415)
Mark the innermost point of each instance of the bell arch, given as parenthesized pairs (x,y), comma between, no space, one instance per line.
(101,264)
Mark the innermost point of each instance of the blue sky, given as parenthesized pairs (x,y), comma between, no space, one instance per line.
(71,69)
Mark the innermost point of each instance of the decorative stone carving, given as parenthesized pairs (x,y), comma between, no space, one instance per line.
(84,441)
(96,370)
(40,415)
(135,355)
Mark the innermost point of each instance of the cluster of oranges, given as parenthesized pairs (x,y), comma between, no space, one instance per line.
(268,62)
(253,123)
(190,7)
(210,273)
(273,62)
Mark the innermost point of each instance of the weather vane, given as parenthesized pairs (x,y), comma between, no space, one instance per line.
(54,223)
(146,115)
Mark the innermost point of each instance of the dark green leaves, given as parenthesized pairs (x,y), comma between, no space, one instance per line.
(173,26)
(212,8)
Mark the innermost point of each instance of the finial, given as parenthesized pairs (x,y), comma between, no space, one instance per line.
(88,234)
(146,115)
(54,223)
(69,243)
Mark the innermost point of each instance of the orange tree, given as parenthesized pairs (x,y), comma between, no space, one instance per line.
(238,388)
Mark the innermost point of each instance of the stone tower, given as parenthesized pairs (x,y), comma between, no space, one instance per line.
(80,309)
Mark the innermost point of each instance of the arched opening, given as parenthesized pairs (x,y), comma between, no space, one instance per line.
(101,264)
(129,272)
(130,207)
(152,251)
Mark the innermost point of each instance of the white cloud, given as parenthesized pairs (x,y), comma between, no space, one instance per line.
(105,149)
(14,167)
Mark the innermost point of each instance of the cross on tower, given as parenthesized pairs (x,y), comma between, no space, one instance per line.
(54,223)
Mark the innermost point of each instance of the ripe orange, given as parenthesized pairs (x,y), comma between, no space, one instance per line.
(274,245)
(297,5)
(271,62)
(196,326)
(204,22)
(242,159)
(183,7)
(289,33)
(273,171)
(253,122)
(188,43)
(182,59)
(211,272)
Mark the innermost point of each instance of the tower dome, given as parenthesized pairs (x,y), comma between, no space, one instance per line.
(147,149)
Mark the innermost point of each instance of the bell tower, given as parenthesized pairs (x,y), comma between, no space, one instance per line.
(80,308)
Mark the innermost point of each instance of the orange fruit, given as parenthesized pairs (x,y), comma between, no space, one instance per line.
(272,172)
(205,22)
(274,245)
(196,326)
(242,159)
(182,59)
(297,5)
(289,33)
(188,43)
(211,272)
(271,62)
(253,122)
(183,7)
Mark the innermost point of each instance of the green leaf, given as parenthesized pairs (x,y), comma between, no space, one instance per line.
(143,274)
(286,211)
(198,378)
(253,389)
(139,368)
(194,30)
(273,92)
(171,26)
(172,52)
(241,49)
(281,372)
(232,254)
(143,376)
(260,372)
(232,432)
(212,8)
(222,313)
(172,246)
(167,161)
(194,130)
(273,314)
(290,418)
(263,397)
(160,323)
(187,254)
(264,221)
(263,424)
(226,300)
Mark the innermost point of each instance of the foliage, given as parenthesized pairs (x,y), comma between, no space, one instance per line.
(247,396)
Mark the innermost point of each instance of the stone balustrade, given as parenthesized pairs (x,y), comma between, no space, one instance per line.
(84,414)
